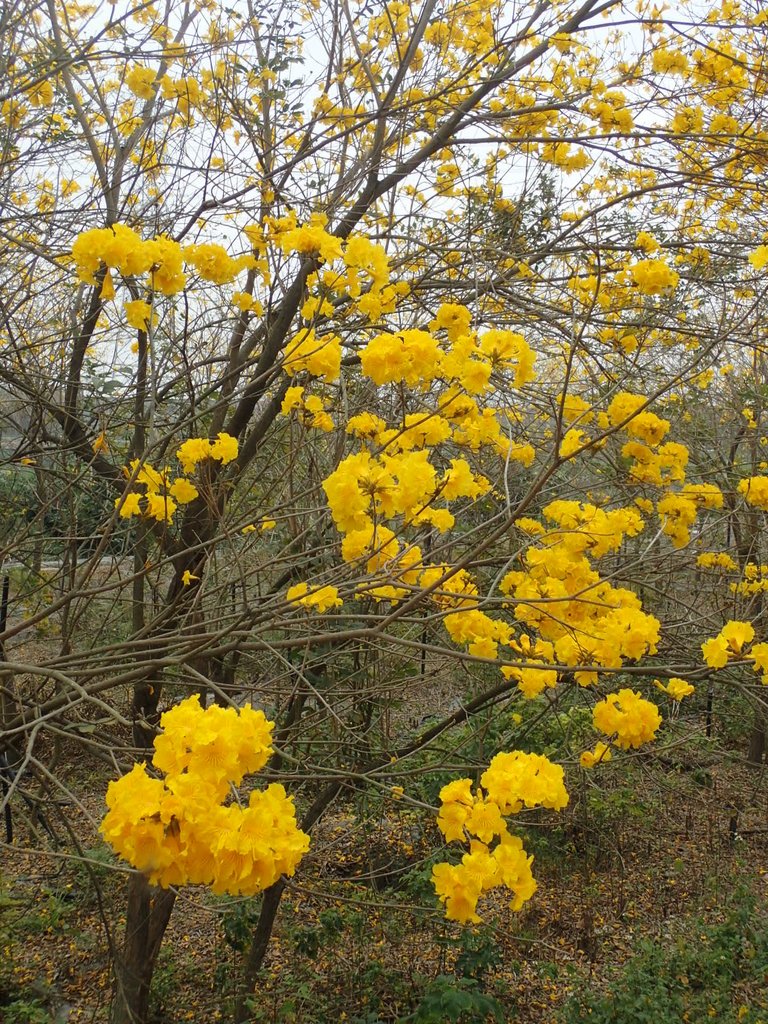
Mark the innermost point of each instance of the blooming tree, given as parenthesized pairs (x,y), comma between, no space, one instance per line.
(339,339)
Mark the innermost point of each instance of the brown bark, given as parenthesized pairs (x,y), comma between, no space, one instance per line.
(757,739)
(269,908)
(148,913)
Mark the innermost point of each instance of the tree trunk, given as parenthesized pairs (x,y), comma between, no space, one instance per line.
(258,948)
(148,913)
(269,907)
(757,739)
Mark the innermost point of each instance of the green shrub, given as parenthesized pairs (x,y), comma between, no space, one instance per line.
(703,973)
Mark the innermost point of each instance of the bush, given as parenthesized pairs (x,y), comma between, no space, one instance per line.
(704,973)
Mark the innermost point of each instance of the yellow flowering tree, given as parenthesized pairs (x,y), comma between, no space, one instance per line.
(315,380)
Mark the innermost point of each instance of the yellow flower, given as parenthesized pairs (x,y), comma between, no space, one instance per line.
(737,634)
(183,491)
(294,398)
(600,754)
(654,277)
(137,314)
(715,652)
(679,688)
(41,94)
(755,490)
(141,81)
(224,448)
(108,287)
(193,451)
(213,263)
(130,505)
(187,577)
(320,356)
(160,507)
(627,716)
(320,599)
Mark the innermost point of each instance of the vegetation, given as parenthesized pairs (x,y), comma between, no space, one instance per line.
(382,502)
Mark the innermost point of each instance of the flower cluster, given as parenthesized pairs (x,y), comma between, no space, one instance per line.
(532,681)
(178,830)
(120,248)
(416,357)
(677,514)
(511,782)
(654,277)
(626,410)
(160,497)
(729,643)
(754,581)
(755,491)
(320,599)
(161,494)
(310,408)
(716,560)
(319,356)
(196,449)
(658,466)
(652,462)
(704,495)
(628,717)
(560,595)
(733,641)
(759,257)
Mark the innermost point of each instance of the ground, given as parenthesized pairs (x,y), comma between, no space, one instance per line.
(659,851)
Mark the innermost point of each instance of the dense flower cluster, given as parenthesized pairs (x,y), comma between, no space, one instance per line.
(415,356)
(197,449)
(628,717)
(511,781)
(755,491)
(716,560)
(658,466)
(677,514)
(733,641)
(120,248)
(319,356)
(654,277)
(560,595)
(178,830)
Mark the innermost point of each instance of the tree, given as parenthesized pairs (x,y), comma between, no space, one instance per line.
(353,326)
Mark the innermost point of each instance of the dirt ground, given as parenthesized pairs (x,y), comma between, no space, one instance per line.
(665,842)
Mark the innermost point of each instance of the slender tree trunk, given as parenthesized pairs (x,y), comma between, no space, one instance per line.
(257,950)
(148,913)
(269,907)
(757,739)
